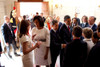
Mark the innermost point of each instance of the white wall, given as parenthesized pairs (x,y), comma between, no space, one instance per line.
(2,10)
(84,7)
(5,8)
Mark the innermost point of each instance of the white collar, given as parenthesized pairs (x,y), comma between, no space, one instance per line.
(54,30)
(84,23)
(67,25)
(91,25)
(85,39)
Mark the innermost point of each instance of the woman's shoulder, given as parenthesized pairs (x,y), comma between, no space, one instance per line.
(45,28)
(34,28)
(24,38)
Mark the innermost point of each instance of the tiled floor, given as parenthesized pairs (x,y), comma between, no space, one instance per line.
(15,61)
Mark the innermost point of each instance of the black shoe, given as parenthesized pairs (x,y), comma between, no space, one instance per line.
(2,66)
(10,56)
(17,54)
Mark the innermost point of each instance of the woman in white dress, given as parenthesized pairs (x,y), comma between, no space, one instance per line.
(26,43)
(42,54)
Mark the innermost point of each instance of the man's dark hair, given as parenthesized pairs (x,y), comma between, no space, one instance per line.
(54,22)
(74,18)
(37,13)
(94,18)
(24,17)
(40,20)
(98,27)
(77,31)
(66,17)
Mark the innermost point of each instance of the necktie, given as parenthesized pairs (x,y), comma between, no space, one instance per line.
(69,28)
(10,28)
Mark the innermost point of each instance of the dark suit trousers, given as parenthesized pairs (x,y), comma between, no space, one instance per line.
(61,56)
(0,49)
(13,45)
(54,55)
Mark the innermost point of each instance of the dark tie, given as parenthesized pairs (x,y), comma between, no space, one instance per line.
(9,26)
(69,28)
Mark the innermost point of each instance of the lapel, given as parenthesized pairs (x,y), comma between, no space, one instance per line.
(7,26)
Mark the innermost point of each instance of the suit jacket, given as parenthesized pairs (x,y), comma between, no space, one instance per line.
(75,54)
(55,44)
(60,23)
(65,34)
(8,33)
(93,59)
(94,27)
(86,25)
(0,47)
(78,20)
(73,25)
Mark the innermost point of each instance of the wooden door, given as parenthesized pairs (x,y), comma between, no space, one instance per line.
(45,8)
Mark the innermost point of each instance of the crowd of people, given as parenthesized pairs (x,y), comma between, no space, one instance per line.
(76,42)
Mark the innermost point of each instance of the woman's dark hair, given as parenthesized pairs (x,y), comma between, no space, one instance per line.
(40,20)
(85,18)
(24,27)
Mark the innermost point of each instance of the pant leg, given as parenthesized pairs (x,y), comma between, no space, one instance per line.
(0,49)
(14,46)
(54,55)
(61,57)
(8,49)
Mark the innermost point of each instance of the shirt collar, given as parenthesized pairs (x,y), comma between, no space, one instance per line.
(67,25)
(54,30)
(91,25)
(84,23)
(87,39)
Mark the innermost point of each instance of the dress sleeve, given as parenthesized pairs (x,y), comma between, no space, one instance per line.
(24,39)
(47,38)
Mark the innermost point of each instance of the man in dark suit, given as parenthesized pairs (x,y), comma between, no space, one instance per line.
(9,36)
(92,24)
(76,51)
(93,59)
(43,17)
(74,23)
(65,34)
(0,49)
(55,45)
(60,23)
(78,20)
